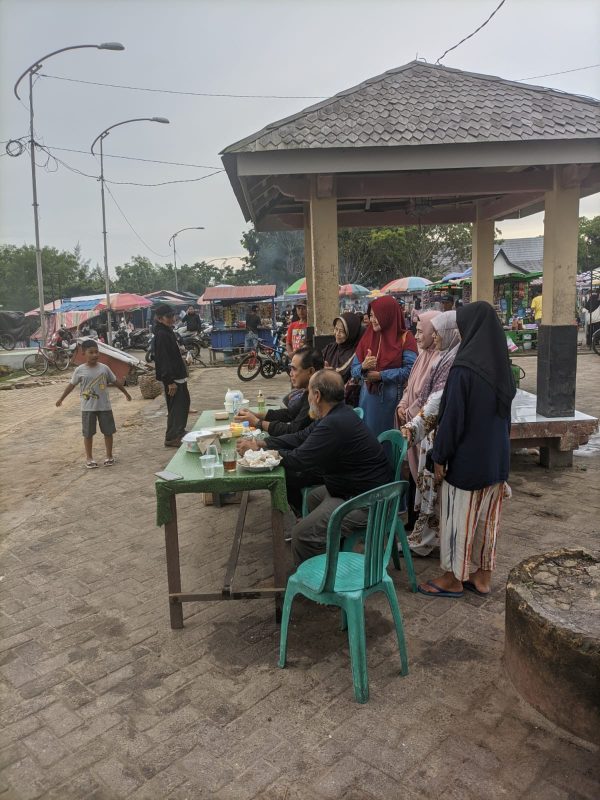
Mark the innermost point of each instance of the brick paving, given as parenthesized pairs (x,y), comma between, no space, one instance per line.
(101,699)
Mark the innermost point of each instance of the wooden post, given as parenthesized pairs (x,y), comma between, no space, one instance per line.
(323,227)
(309,268)
(483,259)
(557,336)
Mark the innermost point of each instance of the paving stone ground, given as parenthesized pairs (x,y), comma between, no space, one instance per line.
(101,699)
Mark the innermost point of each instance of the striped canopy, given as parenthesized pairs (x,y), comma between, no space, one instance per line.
(411,284)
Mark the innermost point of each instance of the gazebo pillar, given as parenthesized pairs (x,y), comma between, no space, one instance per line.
(557,335)
(483,259)
(324,245)
(309,272)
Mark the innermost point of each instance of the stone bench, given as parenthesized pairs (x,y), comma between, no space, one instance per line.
(556,437)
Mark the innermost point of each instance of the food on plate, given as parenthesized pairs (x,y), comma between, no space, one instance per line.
(260,458)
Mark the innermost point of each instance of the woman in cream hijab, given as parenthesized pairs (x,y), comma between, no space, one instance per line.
(420,432)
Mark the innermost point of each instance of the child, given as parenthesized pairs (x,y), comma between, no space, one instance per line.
(95,402)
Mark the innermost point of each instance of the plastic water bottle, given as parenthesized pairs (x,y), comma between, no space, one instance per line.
(260,402)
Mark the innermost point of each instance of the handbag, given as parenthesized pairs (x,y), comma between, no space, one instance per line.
(352,392)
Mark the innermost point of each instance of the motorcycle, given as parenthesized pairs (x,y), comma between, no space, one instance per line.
(131,340)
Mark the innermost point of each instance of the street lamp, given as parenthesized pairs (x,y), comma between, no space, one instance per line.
(172,239)
(31,71)
(101,137)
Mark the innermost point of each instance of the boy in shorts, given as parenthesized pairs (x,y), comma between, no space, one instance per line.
(94,379)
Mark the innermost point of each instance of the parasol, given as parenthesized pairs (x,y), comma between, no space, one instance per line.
(298,287)
(411,284)
(125,301)
(353,290)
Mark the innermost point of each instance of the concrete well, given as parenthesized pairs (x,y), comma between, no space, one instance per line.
(552,643)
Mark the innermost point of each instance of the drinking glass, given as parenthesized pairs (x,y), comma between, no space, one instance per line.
(208,466)
(229,453)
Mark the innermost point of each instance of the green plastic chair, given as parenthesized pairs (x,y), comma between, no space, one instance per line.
(399,446)
(347,579)
(308,489)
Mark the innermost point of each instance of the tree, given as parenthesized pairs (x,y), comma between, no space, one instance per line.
(588,251)
(65,274)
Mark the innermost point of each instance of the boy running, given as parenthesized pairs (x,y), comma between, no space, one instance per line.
(94,379)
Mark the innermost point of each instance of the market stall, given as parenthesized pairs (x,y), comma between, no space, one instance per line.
(229,306)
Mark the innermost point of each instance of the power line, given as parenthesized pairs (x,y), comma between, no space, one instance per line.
(145,243)
(134,158)
(483,24)
(562,72)
(192,94)
(46,150)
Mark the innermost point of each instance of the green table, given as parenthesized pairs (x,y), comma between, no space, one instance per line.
(188,465)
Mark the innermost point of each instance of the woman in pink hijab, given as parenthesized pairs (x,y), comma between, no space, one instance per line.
(412,400)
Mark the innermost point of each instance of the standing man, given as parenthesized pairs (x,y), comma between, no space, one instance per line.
(252,326)
(447,302)
(171,370)
(192,320)
(536,307)
(296,332)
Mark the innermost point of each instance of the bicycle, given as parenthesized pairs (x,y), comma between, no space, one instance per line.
(37,364)
(596,342)
(276,361)
(7,341)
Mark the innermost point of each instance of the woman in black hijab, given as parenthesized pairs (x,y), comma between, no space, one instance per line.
(339,354)
(471,453)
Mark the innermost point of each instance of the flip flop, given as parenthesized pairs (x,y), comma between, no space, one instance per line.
(91,465)
(470,587)
(439,592)
(109,462)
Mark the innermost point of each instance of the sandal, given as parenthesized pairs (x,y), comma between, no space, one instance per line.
(91,465)
(109,462)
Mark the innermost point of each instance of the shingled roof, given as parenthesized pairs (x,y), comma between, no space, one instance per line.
(525,253)
(421,103)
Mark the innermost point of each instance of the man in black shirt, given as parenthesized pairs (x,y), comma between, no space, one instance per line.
(252,326)
(192,320)
(338,452)
(171,370)
(278,421)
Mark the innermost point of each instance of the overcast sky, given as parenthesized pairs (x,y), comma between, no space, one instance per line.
(282,47)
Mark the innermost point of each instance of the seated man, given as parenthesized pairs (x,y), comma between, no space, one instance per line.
(338,451)
(278,421)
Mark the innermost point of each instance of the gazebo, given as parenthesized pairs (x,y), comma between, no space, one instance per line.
(425,144)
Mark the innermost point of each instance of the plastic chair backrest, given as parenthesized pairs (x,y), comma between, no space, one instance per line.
(382,504)
(399,447)
(359,412)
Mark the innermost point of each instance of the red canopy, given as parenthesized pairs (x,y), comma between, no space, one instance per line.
(125,301)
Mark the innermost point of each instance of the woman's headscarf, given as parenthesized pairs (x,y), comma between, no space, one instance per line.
(445,326)
(421,370)
(389,343)
(483,350)
(339,355)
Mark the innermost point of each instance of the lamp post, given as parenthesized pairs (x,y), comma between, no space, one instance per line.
(172,239)
(101,137)
(31,71)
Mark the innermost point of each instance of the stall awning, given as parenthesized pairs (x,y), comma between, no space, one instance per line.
(239,293)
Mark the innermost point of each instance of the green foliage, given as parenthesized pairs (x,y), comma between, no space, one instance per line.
(65,274)
(370,256)
(588,251)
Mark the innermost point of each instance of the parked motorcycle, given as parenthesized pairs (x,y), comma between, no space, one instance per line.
(131,340)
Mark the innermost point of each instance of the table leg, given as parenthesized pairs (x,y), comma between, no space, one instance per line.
(279,559)
(173,568)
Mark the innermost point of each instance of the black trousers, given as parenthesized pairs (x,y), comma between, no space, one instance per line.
(178,408)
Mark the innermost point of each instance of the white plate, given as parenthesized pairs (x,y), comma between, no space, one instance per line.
(257,467)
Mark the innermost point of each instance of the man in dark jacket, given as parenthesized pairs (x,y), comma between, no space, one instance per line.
(279,421)
(171,370)
(338,452)
(192,321)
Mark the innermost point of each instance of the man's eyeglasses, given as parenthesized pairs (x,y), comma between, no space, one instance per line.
(338,330)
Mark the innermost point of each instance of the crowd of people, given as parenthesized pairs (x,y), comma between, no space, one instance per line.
(448,389)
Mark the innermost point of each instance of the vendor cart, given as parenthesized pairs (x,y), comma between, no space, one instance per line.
(229,306)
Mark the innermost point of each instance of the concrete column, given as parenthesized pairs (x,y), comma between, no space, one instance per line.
(323,227)
(308,268)
(483,259)
(557,335)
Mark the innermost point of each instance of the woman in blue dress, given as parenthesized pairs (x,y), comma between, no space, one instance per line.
(383,361)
